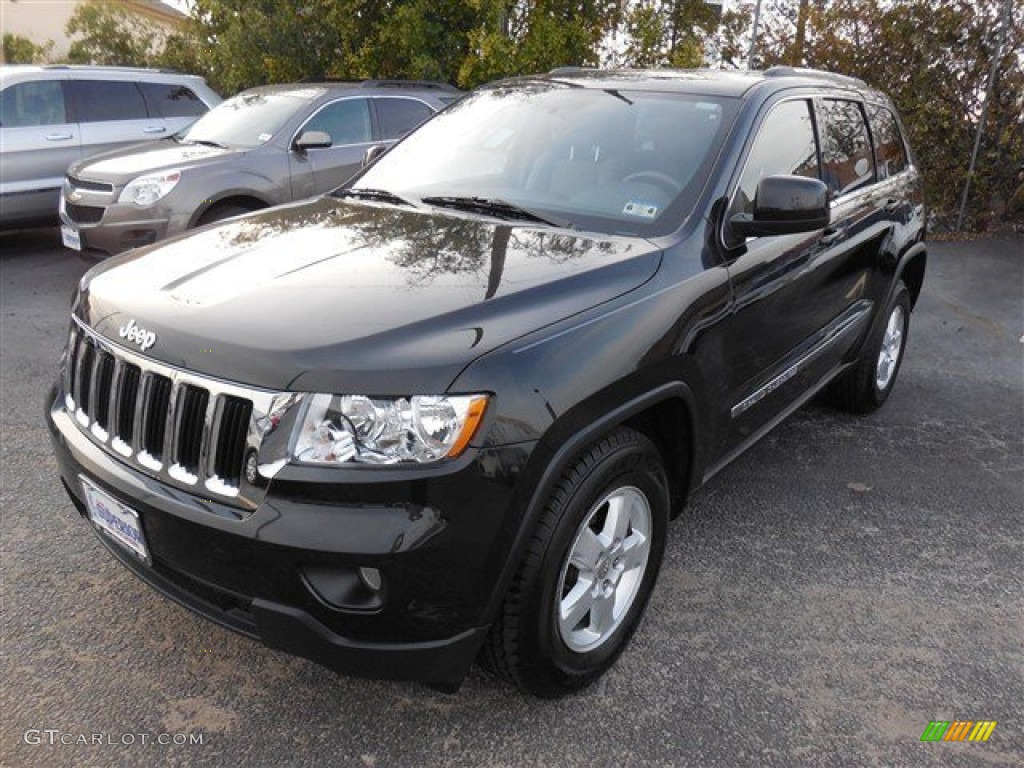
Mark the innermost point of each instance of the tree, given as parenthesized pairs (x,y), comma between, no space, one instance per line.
(109,34)
(21,50)
(667,32)
(933,58)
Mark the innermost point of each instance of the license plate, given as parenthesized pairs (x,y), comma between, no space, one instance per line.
(115,520)
(70,237)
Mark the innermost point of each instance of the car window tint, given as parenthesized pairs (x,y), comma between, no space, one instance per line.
(399,116)
(890,152)
(104,100)
(169,100)
(346,122)
(784,146)
(36,103)
(845,150)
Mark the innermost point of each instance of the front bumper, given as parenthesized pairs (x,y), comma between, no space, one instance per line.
(120,226)
(286,573)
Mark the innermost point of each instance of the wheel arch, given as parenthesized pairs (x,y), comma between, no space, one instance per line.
(248,200)
(912,268)
(654,414)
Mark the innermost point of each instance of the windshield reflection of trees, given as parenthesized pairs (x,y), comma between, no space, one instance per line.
(426,247)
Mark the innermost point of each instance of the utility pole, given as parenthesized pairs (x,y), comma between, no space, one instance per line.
(753,35)
(1004,26)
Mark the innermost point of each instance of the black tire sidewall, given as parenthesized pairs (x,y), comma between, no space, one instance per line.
(637,465)
(900,298)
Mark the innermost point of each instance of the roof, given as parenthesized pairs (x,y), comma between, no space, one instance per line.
(716,82)
(11,70)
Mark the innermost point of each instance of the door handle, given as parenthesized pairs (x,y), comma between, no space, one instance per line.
(832,235)
(154,129)
(891,205)
(58,136)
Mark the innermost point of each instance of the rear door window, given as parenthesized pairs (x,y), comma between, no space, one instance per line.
(399,116)
(100,101)
(784,145)
(846,158)
(890,151)
(36,103)
(169,100)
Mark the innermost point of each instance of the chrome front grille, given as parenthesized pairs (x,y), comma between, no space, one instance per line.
(192,430)
(90,186)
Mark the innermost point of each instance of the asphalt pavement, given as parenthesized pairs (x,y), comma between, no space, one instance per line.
(823,599)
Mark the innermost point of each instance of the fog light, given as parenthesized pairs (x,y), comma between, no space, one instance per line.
(371,578)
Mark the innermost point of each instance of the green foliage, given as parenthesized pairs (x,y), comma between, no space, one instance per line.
(21,50)
(667,32)
(109,34)
(933,58)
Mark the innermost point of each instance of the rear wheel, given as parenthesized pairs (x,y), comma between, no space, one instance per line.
(867,385)
(588,571)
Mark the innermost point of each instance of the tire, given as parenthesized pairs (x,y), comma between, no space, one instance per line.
(547,646)
(866,386)
(220,212)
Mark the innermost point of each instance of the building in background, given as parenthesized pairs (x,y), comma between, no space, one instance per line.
(43,21)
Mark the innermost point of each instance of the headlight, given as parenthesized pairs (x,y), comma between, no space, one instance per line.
(146,190)
(339,429)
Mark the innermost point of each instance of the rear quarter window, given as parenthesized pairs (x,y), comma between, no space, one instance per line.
(890,150)
(169,100)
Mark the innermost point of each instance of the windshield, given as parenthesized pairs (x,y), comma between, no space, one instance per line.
(248,119)
(614,161)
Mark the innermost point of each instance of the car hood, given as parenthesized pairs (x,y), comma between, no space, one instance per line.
(122,165)
(326,295)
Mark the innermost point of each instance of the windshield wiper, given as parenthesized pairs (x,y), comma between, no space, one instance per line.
(495,207)
(207,143)
(379,195)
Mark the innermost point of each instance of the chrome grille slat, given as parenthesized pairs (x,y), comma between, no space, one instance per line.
(83,367)
(155,416)
(171,423)
(99,411)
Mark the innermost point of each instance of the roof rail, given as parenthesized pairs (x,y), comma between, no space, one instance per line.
(115,68)
(815,74)
(430,84)
(573,70)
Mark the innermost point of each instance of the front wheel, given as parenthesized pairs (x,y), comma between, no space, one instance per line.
(867,385)
(588,571)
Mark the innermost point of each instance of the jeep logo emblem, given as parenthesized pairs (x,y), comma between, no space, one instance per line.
(137,335)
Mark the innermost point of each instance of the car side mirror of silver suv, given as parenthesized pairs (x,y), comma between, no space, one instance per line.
(784,205)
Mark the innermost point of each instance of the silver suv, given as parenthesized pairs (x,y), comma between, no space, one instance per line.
(53,116)
(265,146)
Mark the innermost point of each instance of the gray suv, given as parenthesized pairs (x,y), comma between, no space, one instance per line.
(265,146)
(53,116)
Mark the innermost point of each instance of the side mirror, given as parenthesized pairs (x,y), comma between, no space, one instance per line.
(313,140)
(373,153)
(784,205)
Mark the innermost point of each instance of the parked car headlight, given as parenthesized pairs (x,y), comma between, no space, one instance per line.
(340,429)
(146,190)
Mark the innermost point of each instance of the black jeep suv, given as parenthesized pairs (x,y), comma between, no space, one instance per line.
(448,410)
